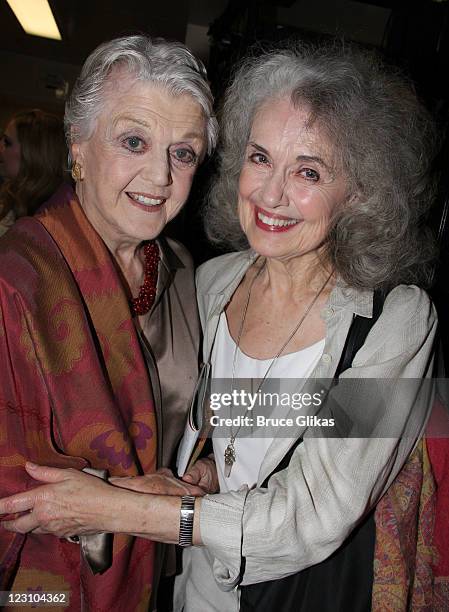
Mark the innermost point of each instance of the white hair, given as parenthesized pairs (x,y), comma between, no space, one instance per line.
(168,64)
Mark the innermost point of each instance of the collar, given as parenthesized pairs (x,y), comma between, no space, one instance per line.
(226,283)
(169,259)
(225,286)
(169,263)
(359,301)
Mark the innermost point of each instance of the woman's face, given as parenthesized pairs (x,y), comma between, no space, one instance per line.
(138,165)
(10,152)
(288,188)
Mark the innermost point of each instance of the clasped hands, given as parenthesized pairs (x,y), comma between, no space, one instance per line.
(200,479)
(71,502)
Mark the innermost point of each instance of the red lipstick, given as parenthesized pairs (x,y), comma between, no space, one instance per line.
(273,228)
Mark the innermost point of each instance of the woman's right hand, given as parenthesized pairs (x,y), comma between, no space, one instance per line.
(203,473)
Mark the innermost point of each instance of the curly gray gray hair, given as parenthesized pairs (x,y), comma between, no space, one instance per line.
(169,64)
(383,139)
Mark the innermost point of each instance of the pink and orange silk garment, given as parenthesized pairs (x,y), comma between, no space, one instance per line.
(438,446)
(74,392)
(404,551)
(411,570)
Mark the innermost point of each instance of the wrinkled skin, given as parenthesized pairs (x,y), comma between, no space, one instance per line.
(72,502)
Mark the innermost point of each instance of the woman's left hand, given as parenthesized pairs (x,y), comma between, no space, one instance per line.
(70,502)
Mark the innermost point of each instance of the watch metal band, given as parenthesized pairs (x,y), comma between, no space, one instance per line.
(186,520)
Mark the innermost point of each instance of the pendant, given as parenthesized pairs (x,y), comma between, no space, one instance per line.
(229,459)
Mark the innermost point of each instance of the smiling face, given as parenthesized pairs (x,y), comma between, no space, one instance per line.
(10,152)
(288,187)
(138,165)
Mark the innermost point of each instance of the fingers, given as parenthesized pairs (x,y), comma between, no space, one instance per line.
(126,482)
(45,473)
(193,476)
(20,502)
(75,504)
(194,490)
(204,474)
(23,524)
(165,471)
(157,484)
(31,523)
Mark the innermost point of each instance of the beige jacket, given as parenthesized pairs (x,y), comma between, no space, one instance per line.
(309,508)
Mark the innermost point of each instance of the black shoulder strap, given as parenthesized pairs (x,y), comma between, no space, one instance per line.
(358,332)
(355,339)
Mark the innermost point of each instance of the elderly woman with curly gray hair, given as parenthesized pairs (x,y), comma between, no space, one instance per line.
(323,174)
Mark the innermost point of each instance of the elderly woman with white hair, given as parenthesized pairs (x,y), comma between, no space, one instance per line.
(99,332)
(323,173)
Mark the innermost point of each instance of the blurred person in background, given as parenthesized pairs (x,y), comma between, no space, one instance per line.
(33,161)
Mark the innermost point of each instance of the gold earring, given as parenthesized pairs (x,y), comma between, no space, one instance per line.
(77,172)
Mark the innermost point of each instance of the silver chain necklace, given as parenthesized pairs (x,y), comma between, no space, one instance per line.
(229,454)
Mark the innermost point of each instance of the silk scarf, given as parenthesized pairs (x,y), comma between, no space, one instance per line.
(74,392)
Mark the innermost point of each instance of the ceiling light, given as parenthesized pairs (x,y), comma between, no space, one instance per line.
(35,17)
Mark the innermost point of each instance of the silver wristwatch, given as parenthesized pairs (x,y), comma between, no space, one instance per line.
(186,520)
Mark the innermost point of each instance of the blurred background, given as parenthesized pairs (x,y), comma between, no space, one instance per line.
(38,72)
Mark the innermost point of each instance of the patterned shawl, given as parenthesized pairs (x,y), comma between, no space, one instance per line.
(412,536)
(74,392)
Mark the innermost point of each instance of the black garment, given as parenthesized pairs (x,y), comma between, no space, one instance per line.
(341,583)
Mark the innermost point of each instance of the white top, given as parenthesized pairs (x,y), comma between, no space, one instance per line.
(250,452)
